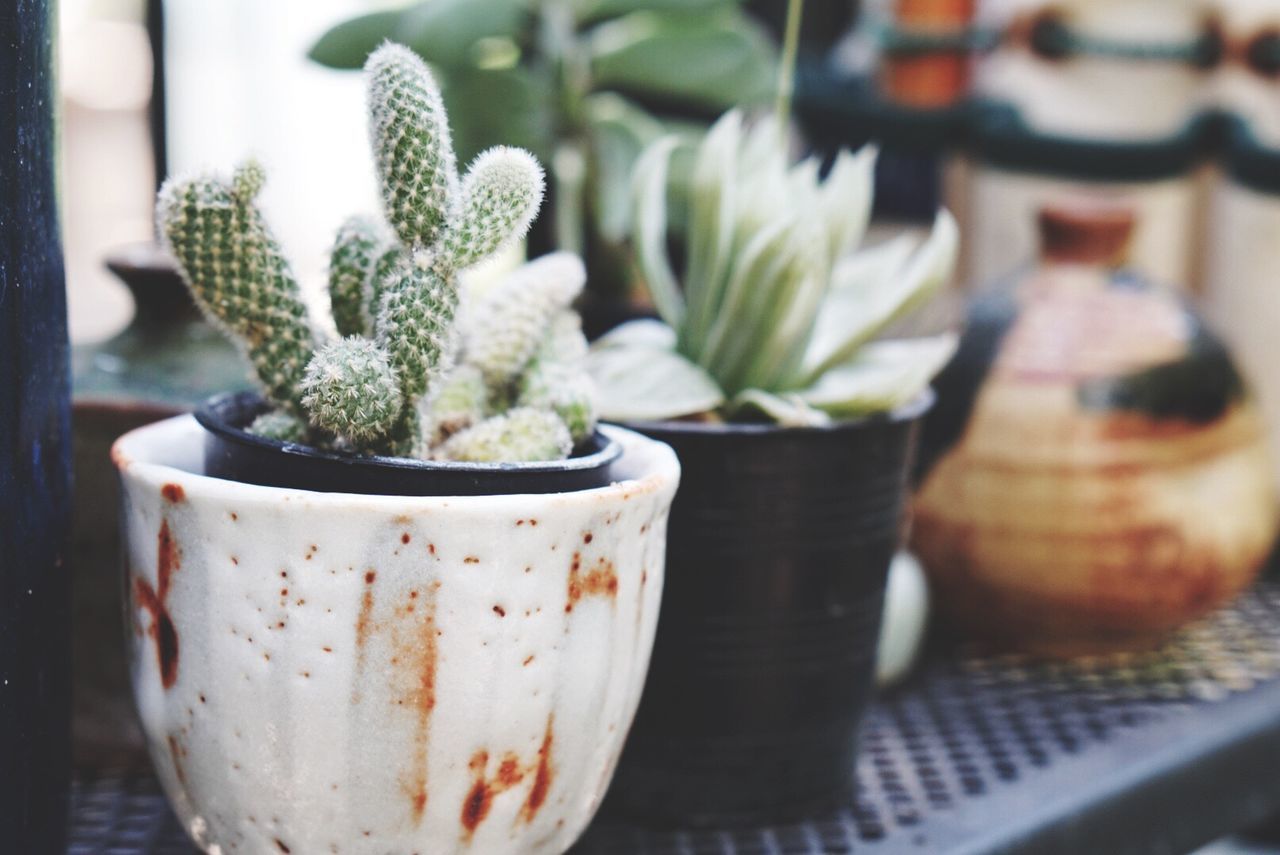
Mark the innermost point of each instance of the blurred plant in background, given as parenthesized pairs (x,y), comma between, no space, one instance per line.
(586,85)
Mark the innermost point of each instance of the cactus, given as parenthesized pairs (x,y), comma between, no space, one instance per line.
(280,426)
(395,298)
(361,246)
(556,378)
(520,435)
(351,391)
(509,326)
(461,401)
(500,197)
(413,153)
(238,275)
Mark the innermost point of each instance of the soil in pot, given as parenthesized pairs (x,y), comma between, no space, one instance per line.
(778,551)
(235,454)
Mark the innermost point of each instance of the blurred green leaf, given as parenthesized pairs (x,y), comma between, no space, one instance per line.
(708,60)
(508,106)
(649,231)
(620,132)
(442,32)
(347,45)
(591,11)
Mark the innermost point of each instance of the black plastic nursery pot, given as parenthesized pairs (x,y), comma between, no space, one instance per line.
(233,453)
(778,550)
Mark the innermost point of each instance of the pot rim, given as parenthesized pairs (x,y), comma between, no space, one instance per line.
(608,452)
(171,451)
(908,412)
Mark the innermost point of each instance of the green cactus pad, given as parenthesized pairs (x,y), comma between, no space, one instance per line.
(524,434)
(413,152)
(415,324)
(238,275)
(509,326)
(280,426)
(360,244)
(501,194)
(351,391)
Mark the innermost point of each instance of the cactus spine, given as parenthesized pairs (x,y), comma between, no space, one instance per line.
(508,388)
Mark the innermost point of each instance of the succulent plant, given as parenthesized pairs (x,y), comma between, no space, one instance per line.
(584,84)
(395,296)
(777,315)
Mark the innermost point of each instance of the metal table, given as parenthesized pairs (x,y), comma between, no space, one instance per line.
(1159,752)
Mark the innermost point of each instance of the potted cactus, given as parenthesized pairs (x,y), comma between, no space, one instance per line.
(795,426)
(404,599)
(585,86)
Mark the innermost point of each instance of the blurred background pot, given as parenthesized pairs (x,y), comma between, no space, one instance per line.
(779,548)
(377,673)
(1095,473)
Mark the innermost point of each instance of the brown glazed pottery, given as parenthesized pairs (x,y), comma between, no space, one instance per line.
(1094,474)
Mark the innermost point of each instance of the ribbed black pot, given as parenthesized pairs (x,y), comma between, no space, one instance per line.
(777,554)
(231,452)
(35,448)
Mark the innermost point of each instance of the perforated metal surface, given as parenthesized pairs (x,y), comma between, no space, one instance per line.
(970,746)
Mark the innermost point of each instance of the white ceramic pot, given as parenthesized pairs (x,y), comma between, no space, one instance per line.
(1240,294)
(1002,205)
(334,673)
(1093,96)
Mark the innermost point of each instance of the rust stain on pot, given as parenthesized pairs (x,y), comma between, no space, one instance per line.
(600,581)
(509,774)
(541,775)
(154,601)
(173,493)
(280,845)
(416,644)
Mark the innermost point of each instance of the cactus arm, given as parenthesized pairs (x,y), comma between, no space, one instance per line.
(350,391)
(415,324)
(280,426)
(462,400)
(413,152)
(357,252)
(238,275)
(510,324)
(519,435)
(501,194)
(556,378)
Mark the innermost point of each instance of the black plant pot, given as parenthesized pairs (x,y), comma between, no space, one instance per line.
(777,554)
(231,452)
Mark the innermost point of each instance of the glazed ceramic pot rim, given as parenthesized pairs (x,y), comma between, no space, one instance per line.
(910,411)
(646,465)
(209,419)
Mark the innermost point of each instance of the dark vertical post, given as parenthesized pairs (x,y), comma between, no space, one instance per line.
(156,113)
(34,446)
